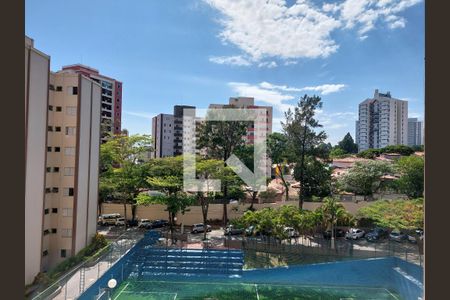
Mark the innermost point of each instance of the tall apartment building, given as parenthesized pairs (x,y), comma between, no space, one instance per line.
(383,121)
(415,132)
(111,108)
(263,121)
(62,136)
(168,134)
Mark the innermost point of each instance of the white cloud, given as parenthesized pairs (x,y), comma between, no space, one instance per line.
(237,60)
(278,95)
(140,114)
(325,89)
(264,29)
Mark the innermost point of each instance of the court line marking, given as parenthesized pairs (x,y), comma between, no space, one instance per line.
(393,296)
(272,284)
(257,294)
(122,291)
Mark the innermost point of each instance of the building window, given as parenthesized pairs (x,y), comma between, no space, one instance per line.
(49,128)
(54,210)
(51,87)
(50,107)
(55,169)
(46,231)
(55,190)
(71,110)
(59,88)
(63,252)
(69,171)
(49,169)
(58,108)
(66,232)
(54,230)
(58,128)
(45,253)
(69,151)
(74,90)
(70,130)
(67,212)
(48,190)
(68,191)
(57,149)
(49,149)
(46,211)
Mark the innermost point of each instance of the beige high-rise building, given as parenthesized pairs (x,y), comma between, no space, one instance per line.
(62,156)
(383,121)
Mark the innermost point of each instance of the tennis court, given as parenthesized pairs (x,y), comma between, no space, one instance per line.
(161,290)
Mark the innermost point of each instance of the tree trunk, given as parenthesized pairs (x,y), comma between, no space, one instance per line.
(284,183)
(125,212)
(205,206)
(302,171)
(253,200)
(133,211)
(171,217)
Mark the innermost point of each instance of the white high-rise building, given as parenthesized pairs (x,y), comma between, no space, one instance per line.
(383,121)
(415,132)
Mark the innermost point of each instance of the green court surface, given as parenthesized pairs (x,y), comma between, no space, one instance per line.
(160,290)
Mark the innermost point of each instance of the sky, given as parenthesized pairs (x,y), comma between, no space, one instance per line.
(204,51)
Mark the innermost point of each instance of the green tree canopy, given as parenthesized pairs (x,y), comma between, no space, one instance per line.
(316,179)
(394,214)
(348,144)
(411,182)
(364,178)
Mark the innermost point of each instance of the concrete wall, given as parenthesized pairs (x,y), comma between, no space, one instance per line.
(36,100)
(157,211)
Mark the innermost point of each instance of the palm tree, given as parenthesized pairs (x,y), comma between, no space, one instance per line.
(332,211)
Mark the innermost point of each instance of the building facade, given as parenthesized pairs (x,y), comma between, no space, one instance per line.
(111,108)
(163,135)
(62,157)
(263,121)
(383,121)
(415,132)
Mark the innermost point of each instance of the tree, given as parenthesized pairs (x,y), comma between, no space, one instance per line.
(210,169)
(300,128)
(348,144)
(122,175)
(411,169)
(400,149)
(394,214)
(316,178)
(166,176)
(332,211)
(364,178)
(280,153)
(369,153)
(220,139)
(338,152)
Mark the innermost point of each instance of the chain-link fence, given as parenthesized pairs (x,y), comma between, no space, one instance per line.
(77,280)
(269,252)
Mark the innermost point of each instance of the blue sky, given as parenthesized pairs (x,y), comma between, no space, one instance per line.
(204,51)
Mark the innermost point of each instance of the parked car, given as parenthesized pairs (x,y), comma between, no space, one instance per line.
(133,223)
(337,233)
(354,233)
(397,236)
(120,222)
(196,228)
(157,224)
(414,237)
(143,223)
(291,232)
(376,234)
(233,230)
(108,219)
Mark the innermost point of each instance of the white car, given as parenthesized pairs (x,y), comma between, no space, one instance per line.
(196,228)
(144,223)
(291,232)
(120,222)
(354,233)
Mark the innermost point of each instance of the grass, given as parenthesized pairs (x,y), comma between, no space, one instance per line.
(156,290)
